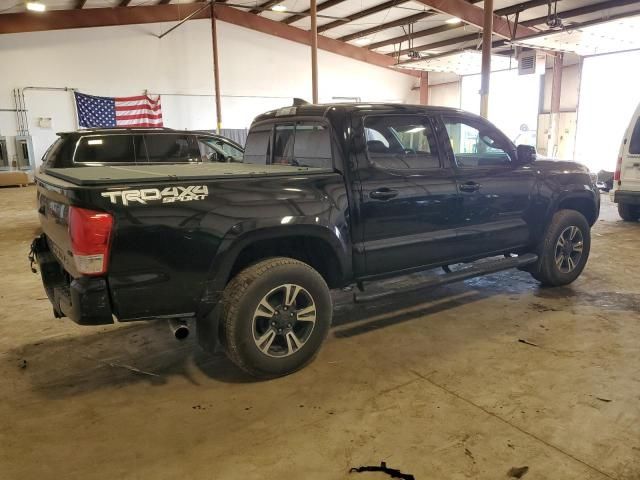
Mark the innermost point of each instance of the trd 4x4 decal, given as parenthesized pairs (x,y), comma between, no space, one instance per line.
(153,195)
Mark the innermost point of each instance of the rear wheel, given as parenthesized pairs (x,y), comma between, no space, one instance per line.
(629,213)
(564,249)
(276,314)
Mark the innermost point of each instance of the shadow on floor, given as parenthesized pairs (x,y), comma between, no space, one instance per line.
(147,352)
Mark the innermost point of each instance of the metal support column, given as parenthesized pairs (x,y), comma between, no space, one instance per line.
(554,117)
(487,33)
(314,50)
(424,88)
(216,68)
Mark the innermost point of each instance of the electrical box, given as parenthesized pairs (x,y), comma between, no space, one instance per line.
(24,152)
(4,156)
(531,62)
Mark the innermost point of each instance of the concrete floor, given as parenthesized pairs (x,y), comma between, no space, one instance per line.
(436,384)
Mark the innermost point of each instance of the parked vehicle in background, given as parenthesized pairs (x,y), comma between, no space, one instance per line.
(605,181)
(327,196)
(626,179)
(136,146)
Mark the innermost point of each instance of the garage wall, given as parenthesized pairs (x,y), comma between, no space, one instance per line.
(259,72)
(445,94)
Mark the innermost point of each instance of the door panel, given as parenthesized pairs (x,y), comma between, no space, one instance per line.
(408,199)
(495,193)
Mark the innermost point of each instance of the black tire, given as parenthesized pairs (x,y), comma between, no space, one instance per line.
(243,325)
(629,213)
(546,270)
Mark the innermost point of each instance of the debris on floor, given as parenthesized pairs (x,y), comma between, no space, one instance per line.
(517,472)
(22,363)
(392,472)
(527,342)
(603,399)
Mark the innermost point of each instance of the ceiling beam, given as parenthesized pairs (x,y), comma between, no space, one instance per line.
(520,7)
(305,13)
(363,13)
(575,12)
(379,28)
(473,15)
(265,6)
(281,30)
(103,17)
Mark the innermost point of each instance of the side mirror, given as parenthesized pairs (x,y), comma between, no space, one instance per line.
(526,154)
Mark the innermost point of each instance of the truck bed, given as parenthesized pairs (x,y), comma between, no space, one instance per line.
(110,175)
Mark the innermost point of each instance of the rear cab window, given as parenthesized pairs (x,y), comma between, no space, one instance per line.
(299,144)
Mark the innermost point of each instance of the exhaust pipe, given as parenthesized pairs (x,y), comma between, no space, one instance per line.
(179,328)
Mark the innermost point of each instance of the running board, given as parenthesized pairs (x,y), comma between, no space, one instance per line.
(483,268)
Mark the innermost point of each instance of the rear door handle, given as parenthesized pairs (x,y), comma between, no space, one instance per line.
(383,194)
(470,187)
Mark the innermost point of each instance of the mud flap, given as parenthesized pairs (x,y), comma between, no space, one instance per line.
(208,330)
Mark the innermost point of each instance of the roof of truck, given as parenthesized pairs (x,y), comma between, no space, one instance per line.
(321,110)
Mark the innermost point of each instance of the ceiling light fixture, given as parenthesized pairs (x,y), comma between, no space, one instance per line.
(36,6)
(453,21)
(279,8)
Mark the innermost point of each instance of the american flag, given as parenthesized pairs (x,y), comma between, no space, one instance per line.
(139,111)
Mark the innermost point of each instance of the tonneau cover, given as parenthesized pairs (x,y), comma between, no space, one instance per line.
(104,175)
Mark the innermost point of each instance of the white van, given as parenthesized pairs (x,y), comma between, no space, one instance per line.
(626,180)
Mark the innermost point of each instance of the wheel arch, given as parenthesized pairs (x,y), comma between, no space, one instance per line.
(580,202)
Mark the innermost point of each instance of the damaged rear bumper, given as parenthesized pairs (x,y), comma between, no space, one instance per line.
(85,300)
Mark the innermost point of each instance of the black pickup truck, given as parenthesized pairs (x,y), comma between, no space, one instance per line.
(328,196)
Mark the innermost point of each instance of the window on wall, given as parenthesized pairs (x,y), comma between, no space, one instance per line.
(401,142)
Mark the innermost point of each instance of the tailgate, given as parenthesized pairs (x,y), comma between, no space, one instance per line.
(53,211)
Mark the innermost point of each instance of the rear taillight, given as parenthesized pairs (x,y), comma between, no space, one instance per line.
(90,233)
(616,175)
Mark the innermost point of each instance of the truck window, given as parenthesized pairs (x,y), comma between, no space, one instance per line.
(256,149)
(49,159)
(312,146)
(401,142)
(283,145)
(171,148)
(474,147)
(634,143)
(105,149)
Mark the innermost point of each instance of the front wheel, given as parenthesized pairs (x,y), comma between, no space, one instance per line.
(629,213)
(564,249)
(275,315)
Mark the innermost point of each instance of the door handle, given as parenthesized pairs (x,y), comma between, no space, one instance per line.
(383,194)
(470,187)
